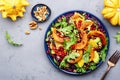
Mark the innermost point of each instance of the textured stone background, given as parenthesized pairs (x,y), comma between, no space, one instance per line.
(29,62)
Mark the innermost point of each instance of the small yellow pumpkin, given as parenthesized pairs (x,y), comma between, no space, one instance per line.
(111,11)
(13,8)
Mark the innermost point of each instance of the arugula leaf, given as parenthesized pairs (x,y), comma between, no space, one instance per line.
(75,31)
(57,24)
(92,66)
(80,69)
(87,54)
(47,37)
(73,40)
(10,41)
(63,62)
(103,51)
(62,23)
(56,62)
(86,57)
(67,58)
(64,19)
(73,55)
(117,37)
(67,29)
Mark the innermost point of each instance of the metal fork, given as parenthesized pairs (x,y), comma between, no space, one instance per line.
(111,62)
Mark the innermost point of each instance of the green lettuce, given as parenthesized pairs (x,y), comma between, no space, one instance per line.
(103,51)
(67,58)
(73,40)
(87,54)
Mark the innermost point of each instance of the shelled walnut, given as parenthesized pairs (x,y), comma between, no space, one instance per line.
(33,25)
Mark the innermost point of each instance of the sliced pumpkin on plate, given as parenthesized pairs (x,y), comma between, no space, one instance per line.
(98,34)
(83,42)
(77,59)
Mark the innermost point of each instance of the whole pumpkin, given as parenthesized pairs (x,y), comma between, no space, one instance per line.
(13,8)
(111,11)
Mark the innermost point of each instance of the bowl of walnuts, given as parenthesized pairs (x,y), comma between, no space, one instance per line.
(40,13)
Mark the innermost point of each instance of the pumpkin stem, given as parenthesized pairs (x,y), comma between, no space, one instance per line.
(14,7)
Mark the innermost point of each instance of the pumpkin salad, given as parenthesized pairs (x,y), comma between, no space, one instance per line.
(76,43)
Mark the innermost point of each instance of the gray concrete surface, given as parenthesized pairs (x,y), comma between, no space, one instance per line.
(29,62)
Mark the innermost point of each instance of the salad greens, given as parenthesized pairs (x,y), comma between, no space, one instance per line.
(10,41)
(67,58)
(92,66)
(80,69)
(73,40)
(87,54)
(62,23)
(103,51)
(66,29)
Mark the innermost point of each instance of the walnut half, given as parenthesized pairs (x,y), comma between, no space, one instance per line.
(33,25)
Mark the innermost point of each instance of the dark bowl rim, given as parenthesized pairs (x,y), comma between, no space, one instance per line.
(40,4)
(46,48)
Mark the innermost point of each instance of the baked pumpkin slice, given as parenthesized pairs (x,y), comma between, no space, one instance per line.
(56,37)
(84,40)
(86,24)
(98,34)
(76,59)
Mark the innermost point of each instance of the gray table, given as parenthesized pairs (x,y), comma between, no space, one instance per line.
(30,62)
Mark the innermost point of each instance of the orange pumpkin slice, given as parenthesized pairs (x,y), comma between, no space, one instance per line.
(77,16)
(83,42)
(77,59)
(98,34)
(55,36)
(86,24)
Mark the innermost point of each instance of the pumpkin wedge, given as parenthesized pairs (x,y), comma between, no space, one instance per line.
(98,34)
(83,42)
(86,24)
(56,37)
(77,59)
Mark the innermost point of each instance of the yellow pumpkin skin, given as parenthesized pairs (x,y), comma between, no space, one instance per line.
(13,8)
(111,11)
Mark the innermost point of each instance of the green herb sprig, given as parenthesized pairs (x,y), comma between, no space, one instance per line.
(10,41)
(117,37)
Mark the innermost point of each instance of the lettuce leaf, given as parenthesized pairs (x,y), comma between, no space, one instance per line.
(62,23)
(73,40)
(67,58)
(87,54)
(103,51)
(67,29)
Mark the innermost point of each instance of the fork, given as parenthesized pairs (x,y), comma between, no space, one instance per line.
(111,62)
